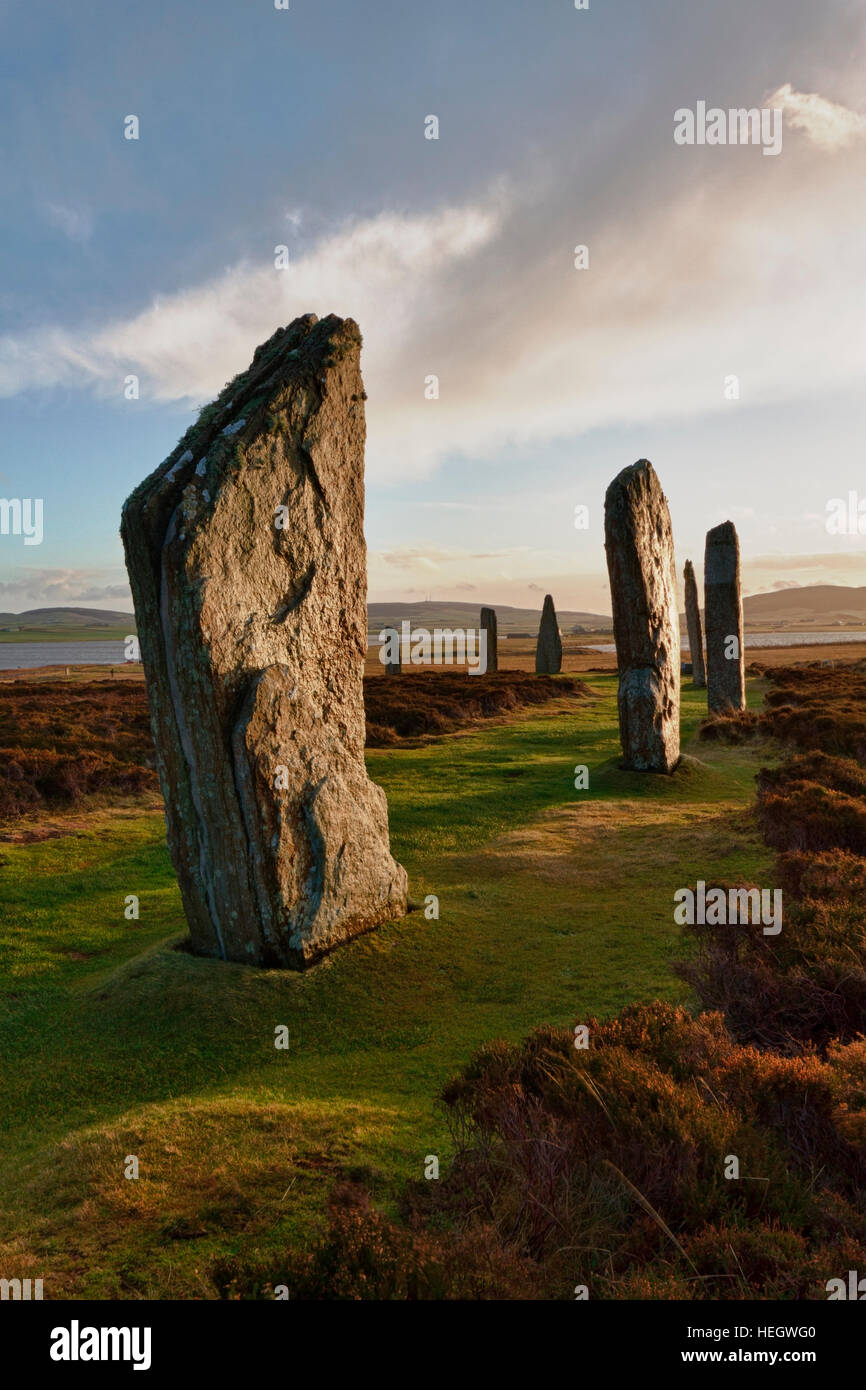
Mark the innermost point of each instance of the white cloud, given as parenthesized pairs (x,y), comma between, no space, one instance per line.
(527,349)
(49,588)
(187,345)
(825,122)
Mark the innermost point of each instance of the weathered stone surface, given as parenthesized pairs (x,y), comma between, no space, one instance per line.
(488,624)
(694,626)
(640,563)
(548,649)
(723,614)
(246,556)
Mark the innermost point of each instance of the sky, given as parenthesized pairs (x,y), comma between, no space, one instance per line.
(718,328)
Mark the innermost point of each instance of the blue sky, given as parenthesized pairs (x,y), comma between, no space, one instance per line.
(305,127)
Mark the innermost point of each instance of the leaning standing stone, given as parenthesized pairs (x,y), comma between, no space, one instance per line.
(693,624)
(247,562)
(548,651)
(723,614)
(640,563)
(488,625)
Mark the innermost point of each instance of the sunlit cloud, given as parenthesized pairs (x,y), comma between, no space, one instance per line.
(826,123)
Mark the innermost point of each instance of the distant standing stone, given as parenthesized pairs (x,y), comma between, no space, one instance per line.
(548,651)
(640,562)
(247,561)
(488,625)
(695,630)
(723,614)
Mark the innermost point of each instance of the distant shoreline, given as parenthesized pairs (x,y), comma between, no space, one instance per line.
(579,656)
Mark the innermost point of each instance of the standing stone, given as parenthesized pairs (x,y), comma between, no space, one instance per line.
(693,623)
(488,624)
(640,562)
(723,614)
(247,562)
(548,650)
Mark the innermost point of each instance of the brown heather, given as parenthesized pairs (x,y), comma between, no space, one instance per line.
(63,742)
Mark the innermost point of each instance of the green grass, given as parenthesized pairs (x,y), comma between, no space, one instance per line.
(554,904)
(69,634)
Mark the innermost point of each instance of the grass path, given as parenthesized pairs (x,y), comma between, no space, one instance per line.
(554,904)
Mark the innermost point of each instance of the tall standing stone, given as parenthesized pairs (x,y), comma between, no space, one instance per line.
(548,650)
(488,625)
(723,614)
(640,562)
(693,624)
(246,557)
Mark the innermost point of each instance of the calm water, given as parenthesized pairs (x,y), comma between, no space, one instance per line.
(768,639)
(18,655)
(14,655)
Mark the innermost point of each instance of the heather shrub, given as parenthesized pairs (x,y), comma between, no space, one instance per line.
(421,703)
(364,1256)
(808,816)
(799,991)
(836,774)
(621,1149)
(831,874)
(66,741)
(809,707)
(793,992)
(732,726)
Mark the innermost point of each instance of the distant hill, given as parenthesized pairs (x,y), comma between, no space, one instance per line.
(379,615)
(433,613)
(68,618)
(814,605)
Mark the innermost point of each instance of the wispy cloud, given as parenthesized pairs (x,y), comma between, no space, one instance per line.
(826,123)
(186,345)
(528,349)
